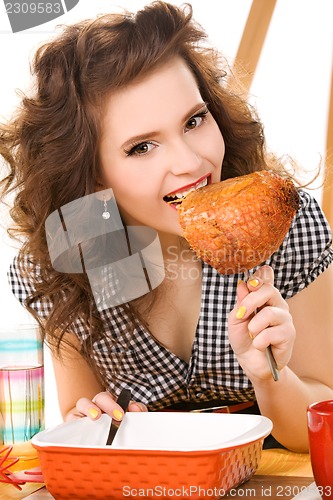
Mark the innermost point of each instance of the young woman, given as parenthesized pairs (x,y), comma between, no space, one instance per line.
(140,104)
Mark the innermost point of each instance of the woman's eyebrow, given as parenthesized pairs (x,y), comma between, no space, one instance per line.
(141,137)
(198,107)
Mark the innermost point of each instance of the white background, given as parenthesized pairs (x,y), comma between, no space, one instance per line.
(290,90)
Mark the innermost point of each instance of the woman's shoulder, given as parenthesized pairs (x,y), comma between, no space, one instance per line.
(20,274)
(307,201)
(310,230)
(306,250)
(23,274)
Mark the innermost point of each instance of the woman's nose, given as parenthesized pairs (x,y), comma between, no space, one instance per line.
(183,158)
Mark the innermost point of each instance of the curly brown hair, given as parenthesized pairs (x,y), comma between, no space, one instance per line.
(52,144)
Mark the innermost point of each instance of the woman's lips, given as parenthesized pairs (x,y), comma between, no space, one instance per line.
(179,194)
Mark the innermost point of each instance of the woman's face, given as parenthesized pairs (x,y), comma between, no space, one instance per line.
(158,138)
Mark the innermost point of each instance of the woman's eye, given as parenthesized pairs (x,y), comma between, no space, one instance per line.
(196,121)
(140,149)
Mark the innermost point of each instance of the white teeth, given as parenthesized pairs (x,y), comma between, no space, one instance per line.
(181,194)
(201,184)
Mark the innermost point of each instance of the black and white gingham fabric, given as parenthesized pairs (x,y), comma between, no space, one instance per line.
(156,376)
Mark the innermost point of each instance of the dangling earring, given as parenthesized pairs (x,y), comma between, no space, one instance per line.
(106,213)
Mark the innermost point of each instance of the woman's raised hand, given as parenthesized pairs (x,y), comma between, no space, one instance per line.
(260,318)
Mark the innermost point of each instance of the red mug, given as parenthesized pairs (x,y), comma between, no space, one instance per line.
(320,428)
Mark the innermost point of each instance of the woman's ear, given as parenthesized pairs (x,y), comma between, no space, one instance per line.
(99,186)
(103,193)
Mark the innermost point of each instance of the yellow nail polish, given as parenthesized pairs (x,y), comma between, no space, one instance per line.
(92,412)
(239,282)
(117,414)
(240,312)
(251,336)
(254,282)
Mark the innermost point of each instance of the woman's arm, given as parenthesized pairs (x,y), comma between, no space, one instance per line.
(304,359)
(312,356)
(78,386)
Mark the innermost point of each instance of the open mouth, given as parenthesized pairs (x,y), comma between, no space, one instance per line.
(176,197)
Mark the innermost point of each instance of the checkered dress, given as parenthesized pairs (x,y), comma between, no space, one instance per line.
(156,376)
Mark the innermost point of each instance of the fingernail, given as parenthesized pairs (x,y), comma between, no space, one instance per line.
(254,282)
(251,336)
(239,282)
(117,414)
(240,312)
(93,413)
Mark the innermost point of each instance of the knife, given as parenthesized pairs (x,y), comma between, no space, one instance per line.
(123,401)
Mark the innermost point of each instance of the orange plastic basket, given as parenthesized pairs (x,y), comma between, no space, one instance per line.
(154,455)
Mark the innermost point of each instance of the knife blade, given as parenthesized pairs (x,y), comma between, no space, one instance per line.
(123,401)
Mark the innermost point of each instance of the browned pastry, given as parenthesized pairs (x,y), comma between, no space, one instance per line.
(237,224)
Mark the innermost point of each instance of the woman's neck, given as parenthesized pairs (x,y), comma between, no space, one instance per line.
(172,245)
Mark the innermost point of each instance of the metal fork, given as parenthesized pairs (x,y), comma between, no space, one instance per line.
(270,357)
